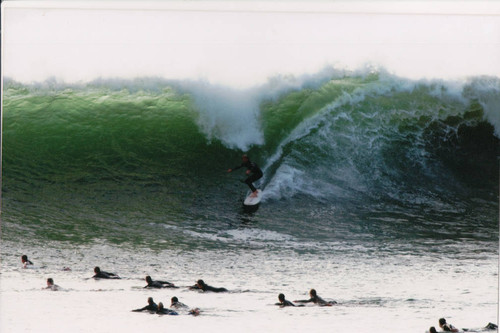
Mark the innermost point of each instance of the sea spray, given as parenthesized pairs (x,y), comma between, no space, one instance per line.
(228,115)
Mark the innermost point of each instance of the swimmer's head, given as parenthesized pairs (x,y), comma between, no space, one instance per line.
(442,321)
(160,305)
(24,258)
(148,279)
(150,300)
(200,283)
(50,282)
(312,292)
(281,297)
(97,269)
(174,300)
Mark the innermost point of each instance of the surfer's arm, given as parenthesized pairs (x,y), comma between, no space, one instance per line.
(141,309)
(235,168)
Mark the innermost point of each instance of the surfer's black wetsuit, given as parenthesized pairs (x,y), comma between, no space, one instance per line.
(104,275)
(285,303)
(158,284)
(151,307)
(448,328)
(256,173)
(317,300)
(205,287)
(213,289)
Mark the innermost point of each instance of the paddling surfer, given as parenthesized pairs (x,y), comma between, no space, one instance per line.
(205,287)
(104,275)
(253,171)
(158,284)
(26,262)
(283,302)
(152,307)
(316,299)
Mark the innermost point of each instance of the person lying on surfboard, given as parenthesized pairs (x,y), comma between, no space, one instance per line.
(253,170)
(158,284)
(205,287)
(152,307)
(283,302)
(104,275)
(316,299)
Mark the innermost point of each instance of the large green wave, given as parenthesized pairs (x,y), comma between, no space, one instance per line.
(155,150)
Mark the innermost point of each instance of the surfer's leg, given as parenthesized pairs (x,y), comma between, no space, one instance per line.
(249,182)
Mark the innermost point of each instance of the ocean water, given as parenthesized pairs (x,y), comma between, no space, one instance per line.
(380,192)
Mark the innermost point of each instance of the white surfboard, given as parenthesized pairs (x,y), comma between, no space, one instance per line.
(252,201)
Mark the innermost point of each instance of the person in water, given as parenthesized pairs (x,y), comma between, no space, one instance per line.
(205,287)
(175,304)
(491,326)
(151,307)
(26,262)
(446,327)
(316,299)
(104,275)
(51,285)
(283,302)
(253,171)
(162,310)
(158,284)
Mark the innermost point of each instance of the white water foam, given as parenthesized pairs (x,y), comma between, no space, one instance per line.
(233,115)
(488,90)
(226,114)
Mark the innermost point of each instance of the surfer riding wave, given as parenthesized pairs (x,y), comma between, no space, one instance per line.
(253,170)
